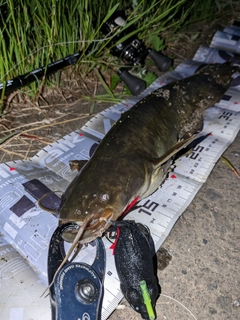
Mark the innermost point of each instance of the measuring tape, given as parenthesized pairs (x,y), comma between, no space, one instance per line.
(29,229)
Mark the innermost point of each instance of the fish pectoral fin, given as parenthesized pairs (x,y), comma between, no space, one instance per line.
(172,151)
(77,164)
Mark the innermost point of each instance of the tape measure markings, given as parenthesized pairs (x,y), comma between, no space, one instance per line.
(223,41)
(234,30)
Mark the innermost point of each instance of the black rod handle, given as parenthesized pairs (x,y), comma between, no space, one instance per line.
(162,62)
(134,84)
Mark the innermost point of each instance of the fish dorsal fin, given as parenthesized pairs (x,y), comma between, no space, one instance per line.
(172,151)
(77,164)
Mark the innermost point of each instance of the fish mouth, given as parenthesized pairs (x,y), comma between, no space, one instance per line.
(99,223)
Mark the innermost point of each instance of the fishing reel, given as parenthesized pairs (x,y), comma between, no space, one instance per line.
(132,51)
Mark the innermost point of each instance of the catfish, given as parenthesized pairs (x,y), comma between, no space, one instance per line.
(134,157)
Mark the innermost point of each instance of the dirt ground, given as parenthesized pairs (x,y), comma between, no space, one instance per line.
(202,279)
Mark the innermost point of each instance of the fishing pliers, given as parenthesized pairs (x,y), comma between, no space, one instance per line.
(77,290)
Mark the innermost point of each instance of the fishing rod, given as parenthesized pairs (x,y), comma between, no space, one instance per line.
(132,51)
(37,74)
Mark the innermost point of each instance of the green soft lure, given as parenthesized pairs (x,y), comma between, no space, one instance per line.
(147,299)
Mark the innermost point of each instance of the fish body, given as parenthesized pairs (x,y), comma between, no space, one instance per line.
(133,159)
(133,255)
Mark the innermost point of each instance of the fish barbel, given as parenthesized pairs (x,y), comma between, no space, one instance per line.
(133,159)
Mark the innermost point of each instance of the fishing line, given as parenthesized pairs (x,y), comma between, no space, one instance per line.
(166,296)
(123,306)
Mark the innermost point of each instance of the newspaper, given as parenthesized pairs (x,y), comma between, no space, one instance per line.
(28,229)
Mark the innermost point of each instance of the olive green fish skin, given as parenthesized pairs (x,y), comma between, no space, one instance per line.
(133,158)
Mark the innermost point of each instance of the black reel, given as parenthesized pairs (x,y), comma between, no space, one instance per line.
(132,51)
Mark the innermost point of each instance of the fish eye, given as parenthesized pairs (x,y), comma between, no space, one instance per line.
(78,211)
(104,197)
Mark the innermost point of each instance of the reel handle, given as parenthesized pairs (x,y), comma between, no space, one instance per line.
(162,62)
(134,84)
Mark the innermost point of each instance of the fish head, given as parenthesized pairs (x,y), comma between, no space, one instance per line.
(79,202)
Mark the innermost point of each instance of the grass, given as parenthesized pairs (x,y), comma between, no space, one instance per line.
(34,34)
